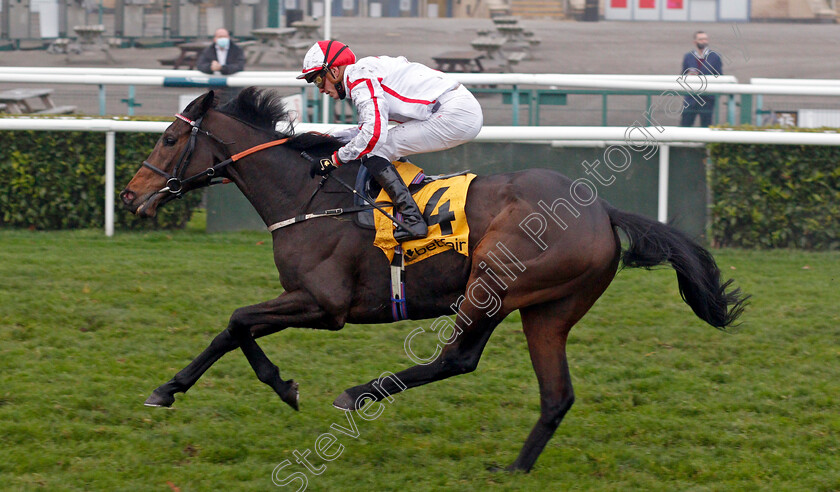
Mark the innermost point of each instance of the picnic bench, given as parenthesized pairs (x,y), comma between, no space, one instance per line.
(18,101)
(506,20)
(188,57)
(89,39)
(272,40)
(491,47)
(296,49)
(511,32)
(307,30)
(459,61)
(58,46)
(498,10)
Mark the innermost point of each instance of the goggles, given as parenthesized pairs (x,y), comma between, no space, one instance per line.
(318,78)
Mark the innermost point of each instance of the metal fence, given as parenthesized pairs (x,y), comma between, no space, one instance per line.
(639,138)
(507,99)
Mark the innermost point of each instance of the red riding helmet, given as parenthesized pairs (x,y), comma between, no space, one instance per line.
(324,55)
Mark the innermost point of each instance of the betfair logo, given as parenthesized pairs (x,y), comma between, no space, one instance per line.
(437,244)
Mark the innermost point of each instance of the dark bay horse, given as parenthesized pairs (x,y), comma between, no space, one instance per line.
(532,247)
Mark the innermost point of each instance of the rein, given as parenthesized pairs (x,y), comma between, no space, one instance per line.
(175,182)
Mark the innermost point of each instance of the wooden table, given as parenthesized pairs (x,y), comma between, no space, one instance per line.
(270,40)
(468,61)
(498,10)
(18,101)
(89,39)
(307,29)
(497,60)
(492,47)
(505,20)
(511,32)
(189,54)
(514,37)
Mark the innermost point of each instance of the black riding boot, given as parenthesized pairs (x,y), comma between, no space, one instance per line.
(390,181)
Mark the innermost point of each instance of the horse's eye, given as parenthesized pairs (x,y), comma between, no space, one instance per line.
(169,141)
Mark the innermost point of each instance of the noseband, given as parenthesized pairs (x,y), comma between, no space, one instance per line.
(175,182)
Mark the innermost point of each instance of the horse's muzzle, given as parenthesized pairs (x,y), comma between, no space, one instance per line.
(127,196)
(138,205)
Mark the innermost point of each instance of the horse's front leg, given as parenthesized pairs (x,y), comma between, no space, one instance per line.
(289,309)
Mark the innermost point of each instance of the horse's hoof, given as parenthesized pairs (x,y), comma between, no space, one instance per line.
(345,402)
(290,395)
(495,468)
(158,400)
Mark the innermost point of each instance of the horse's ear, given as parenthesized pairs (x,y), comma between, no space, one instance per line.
(208,102)
(200,105)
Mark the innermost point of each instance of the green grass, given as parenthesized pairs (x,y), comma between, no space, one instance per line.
(90,325)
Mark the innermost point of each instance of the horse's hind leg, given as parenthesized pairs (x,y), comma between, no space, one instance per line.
(546,328)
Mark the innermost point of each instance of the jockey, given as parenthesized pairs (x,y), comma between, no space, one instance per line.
(433,112)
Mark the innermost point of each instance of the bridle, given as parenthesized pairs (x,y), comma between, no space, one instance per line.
(175,182)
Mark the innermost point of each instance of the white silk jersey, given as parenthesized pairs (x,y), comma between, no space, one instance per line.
(387,88)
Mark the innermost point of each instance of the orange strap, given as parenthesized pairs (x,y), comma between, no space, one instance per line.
(258,148)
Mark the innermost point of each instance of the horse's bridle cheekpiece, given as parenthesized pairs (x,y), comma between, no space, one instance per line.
(175,182)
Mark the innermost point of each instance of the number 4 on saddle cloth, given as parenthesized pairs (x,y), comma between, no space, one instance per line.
(442,200)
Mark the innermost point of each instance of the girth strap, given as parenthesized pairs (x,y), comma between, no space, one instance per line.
(326,213)
(399,308)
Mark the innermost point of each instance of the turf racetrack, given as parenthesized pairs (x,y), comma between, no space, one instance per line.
(89,326)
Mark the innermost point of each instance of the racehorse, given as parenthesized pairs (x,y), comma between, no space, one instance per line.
(332,274)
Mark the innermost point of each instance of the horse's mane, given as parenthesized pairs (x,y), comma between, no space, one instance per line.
(316,144)
(263,109)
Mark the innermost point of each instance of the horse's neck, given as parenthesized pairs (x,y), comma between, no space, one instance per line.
(276,184)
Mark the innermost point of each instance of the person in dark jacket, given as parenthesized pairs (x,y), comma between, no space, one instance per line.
(223,57)
(707,63)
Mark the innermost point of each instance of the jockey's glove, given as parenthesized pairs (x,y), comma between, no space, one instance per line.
(324,166)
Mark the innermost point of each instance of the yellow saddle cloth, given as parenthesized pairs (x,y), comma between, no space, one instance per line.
(442,204)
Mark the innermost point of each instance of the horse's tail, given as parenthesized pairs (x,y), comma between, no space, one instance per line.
(653,243)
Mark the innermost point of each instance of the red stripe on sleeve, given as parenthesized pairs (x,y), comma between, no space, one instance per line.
(354,84)
(377,126)
(401,97)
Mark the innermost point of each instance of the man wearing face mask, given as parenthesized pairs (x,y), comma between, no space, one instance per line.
(223,57)
(432,111)
(707,63)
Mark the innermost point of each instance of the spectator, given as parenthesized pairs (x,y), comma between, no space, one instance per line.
(700,61)
(223,57)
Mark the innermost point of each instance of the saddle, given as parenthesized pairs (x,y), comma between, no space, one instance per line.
(365,185)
